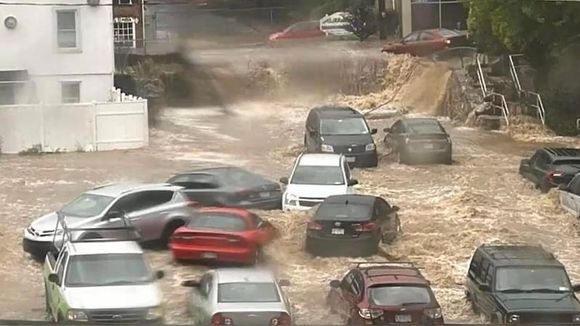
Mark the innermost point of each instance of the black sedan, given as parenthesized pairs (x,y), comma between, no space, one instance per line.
(229,187)
(550,167)
(351,225)
(419,139)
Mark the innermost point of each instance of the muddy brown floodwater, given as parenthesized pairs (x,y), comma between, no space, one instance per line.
(446,211)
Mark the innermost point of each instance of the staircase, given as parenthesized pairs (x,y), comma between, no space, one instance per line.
(532,101)
(497,108)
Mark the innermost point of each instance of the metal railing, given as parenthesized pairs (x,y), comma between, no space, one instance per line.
(538,104)
(502,106)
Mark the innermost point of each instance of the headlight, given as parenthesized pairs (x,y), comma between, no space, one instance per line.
(433,313)
(327,148)
(576,319)
(291,199)
(370,147)
(154,313)
(370,314)
(76,315)
(513,318)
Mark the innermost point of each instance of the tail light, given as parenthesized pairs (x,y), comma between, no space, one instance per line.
(447,41)
(282,320)
(554,174)
(182,237)
(313,226)
(234,239)
(219,319)
(370,314)
(364,227)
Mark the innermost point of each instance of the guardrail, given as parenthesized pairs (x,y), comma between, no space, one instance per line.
(502,106)
(480,76)
(538,104)
(514,72)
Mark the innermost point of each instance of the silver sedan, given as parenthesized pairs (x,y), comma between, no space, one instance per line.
(239,296)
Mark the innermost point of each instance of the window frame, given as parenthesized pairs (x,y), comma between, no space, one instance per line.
(64,83)
(78,39)
(119,3)
(124,43)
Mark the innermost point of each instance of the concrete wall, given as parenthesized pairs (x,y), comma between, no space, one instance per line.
(32,46)
(75,127)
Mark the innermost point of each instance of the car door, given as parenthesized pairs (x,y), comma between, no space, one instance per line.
(426,44)
(409,43)
(123,206)
(387,219)
(570,197)
(202,304)
(151,211)
(56,291)
(539,168)
(203,188)
(393,135)
(485,296)
(346,295)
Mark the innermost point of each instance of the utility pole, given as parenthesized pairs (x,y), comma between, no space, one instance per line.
(381,18)
(440,11)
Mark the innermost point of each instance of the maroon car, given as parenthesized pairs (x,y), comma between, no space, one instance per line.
(299,31)
(384,293)
(427,42)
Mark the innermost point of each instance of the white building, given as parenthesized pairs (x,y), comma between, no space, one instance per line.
(56,79)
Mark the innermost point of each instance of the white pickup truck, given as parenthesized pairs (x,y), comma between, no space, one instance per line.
(101,280)
(570,196)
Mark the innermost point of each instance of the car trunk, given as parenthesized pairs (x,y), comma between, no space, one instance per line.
(434,141)
(341,228)
(208,238)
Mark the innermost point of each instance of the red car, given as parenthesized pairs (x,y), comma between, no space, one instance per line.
(222,234)
(427,42)
(301,30)
(384,293)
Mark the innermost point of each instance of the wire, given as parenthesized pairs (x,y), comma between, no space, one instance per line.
(146,5)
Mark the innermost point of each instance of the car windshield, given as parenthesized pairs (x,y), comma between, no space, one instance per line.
(317,175)
(399,295)
(351,212)
(425,128)
(241,178)
(448,33)
(349,126)
(87,205)
(567,162)
(218,221)
(107,270)
(248,292)
(515,279)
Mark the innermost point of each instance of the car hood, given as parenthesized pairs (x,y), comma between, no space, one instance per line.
(113,297)
(48,222)
(346,140)
(556,302)
(316,191)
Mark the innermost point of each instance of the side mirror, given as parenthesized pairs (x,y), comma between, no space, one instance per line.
(53,278)
(284,180)
(190,283)
(334,284)
(113,214)
(352,182)
(395,208)
(159,274)
(284,283)
(374,131)
(484,287)
(576,287)
(387,129)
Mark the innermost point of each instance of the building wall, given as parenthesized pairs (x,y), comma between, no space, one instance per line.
(32,46)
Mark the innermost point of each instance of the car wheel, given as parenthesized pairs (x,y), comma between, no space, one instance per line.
(168,231)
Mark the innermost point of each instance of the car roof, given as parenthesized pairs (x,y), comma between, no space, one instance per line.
(336,111)
(563,153)
(351,198)
(104,247)
(518,255)
(215,170)
(320,160)
(241,274)
(411,121)
(376,275)
(117,189)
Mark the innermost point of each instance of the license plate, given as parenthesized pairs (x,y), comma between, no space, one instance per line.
(428,146)
(350,159)
(337,231)
(403,318)
(264,194)
(208,255)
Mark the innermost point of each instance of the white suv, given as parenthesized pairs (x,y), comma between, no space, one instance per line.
(315,177)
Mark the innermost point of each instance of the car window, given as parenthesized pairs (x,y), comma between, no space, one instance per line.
(384,207)
(475,266)
(248,292)
(426,127)
(196,181)
(532,278)
(575,185)
(397,127)
(106,270)
(359,283)
(448,33)
(61,266)
(411,37)
(346,126)
(205,285)
(426,36)
(87,205)
(239,178)
(218,221)
(346,283)
(343,211)
(346,169)
(483,272)
(567,162)
(317,175)
(399,295)
(142,200)
(542,161)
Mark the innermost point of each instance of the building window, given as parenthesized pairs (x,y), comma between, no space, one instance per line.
(125,2)
(124,32)
(71,92)
(66,22)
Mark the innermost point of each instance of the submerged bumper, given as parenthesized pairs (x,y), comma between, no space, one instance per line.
(205,253)
(362,160)
(36,248)
(364,245)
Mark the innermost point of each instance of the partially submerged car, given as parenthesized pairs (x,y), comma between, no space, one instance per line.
(155,209)
(351,225)
(570,196)
(104,280)
(521,284)
(315,177)
(229,186)
(427,42)
(222,235)
(415,140)
(341,130)
(550,167)
(306,30)
(239,296)
(384,293)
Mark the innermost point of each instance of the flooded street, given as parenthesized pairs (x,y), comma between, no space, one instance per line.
(446,211)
